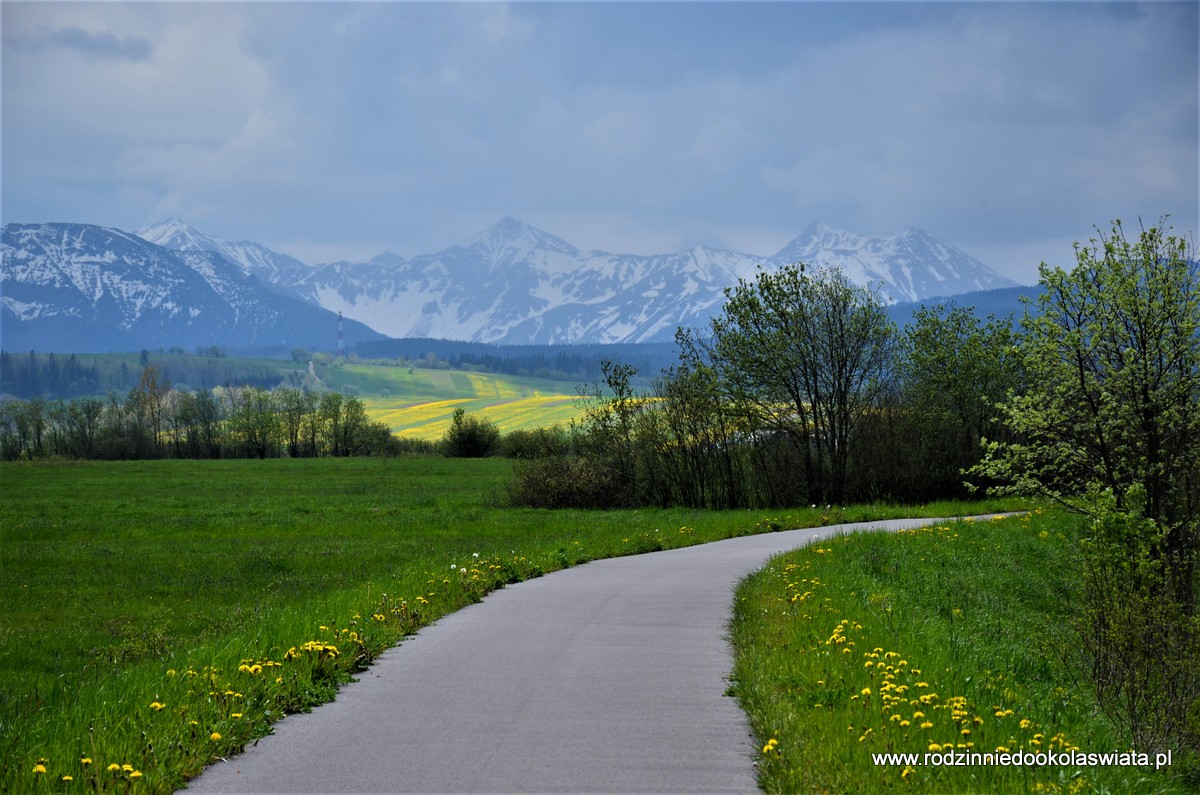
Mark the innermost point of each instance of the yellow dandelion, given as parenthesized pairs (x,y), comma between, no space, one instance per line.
(68,778)
(926,725)
(114,768)
(934,747)
(127,768)
(135,774)
(39,769)
(157,706)
(215,736)
(85,761)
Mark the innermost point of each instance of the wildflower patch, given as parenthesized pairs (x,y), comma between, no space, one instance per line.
(929,641)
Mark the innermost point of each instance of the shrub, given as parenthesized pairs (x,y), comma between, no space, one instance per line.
(469,437)
(536,443)
(562,482)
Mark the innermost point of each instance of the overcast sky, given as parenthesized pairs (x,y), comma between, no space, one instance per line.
(340,130)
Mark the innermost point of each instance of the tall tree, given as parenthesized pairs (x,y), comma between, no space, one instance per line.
(957,370)
(1114,404)
(1111,427)
(810,355)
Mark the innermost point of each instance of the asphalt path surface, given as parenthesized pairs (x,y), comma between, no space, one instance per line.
(605,677)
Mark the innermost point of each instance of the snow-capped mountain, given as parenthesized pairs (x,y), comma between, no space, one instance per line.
(87,288)
(511,283)
(910,267)
(516,284)
(253,258)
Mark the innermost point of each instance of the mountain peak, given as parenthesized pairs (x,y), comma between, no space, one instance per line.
(510,233)
(175,234)
(819,237)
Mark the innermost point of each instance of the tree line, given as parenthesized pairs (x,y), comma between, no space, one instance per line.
(800,391)
(53,376)
(155,420)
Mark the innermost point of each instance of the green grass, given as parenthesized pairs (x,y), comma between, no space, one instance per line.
(953,637)
(151,605)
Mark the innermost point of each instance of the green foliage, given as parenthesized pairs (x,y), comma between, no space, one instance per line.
(1110,427)
(155,420)
(956,371)
(1114,401)
(1140,645)
(536,443)
(564,482)
(470,436)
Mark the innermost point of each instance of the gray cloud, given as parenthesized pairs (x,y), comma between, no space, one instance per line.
(100,45)
(638,127)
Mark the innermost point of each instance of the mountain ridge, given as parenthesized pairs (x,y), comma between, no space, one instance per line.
(511,283)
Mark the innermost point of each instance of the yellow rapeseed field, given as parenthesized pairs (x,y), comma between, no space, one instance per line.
(430,420)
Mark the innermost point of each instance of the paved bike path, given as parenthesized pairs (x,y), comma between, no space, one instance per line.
(606,677)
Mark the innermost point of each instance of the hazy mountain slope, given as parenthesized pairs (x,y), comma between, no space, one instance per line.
(87,288)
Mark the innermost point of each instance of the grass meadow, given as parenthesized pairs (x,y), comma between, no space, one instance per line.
(955,637)
(159,614)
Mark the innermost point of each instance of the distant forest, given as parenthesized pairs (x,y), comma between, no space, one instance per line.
(561,362)
(66,376)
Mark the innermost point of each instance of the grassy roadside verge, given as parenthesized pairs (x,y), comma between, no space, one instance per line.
(940,639)
(161,614)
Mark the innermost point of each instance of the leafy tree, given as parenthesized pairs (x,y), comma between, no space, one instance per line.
(1114,401)
(810,355)
(956,371)
(1110,427)
(150,404)
(253,422)
(700,450)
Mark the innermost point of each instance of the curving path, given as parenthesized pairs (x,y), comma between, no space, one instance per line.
(606,677)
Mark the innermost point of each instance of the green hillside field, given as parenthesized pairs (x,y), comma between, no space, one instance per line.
(418,403)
